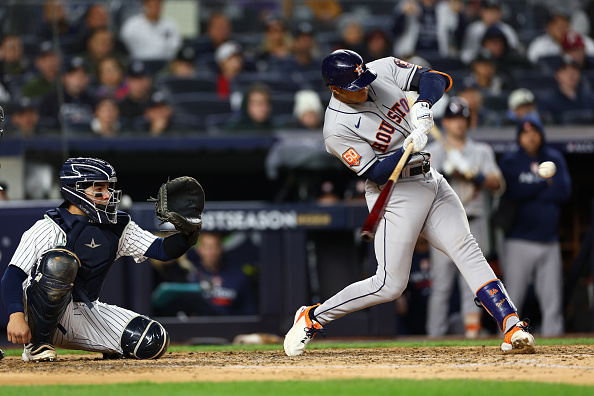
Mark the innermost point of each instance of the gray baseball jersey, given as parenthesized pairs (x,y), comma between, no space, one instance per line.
(362,134)
(98,329)
(475,201)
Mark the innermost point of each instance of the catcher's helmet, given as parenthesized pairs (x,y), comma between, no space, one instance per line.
(345,69)
(77,174)
(458,107)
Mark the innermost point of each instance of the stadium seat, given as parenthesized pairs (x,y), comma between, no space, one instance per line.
(199,104)
(172,85)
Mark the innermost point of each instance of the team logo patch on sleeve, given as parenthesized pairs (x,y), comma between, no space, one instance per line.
(402,64)
(352,157)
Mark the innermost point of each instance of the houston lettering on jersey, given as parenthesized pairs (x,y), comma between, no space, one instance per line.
(385,131)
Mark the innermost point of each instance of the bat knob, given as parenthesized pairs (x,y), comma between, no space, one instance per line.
(367,236)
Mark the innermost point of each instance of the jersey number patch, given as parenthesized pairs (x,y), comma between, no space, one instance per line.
(352,157)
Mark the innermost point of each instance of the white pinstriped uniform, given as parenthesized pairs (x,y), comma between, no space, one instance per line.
(364,133)
(98,329)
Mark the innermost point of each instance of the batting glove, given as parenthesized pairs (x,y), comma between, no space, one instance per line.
(422,116)
(419,139)
(459,162)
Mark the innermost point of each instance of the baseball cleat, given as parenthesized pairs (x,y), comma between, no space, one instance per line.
(303,330)
(518,339)
(39,353)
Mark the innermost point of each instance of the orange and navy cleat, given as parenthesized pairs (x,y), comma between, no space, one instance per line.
(303,330)
(518,339)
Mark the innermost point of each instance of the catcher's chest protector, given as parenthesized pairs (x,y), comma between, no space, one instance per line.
(96,246)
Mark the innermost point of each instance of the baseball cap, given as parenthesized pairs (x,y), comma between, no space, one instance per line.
(304,28)
(490,4)
(519,97)
(566,61)
(572,40)
(23,104)
(186,54)
(137,69)
(157,98)
(75,63)
(46,48)
(227,50)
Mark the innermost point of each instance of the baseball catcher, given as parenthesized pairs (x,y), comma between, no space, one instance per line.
(52,284)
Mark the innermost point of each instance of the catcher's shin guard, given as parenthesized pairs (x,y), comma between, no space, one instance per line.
(144,338)
(49,292)
(493,297)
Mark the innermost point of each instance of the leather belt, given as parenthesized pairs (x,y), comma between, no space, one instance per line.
(423,168)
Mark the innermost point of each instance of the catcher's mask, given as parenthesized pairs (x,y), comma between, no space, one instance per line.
(81,181)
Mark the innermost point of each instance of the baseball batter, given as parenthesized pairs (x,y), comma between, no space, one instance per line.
(52,284)
(367,123)
(471,170)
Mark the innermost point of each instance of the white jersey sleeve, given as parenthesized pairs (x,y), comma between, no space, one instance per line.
(134,242)
(44,235)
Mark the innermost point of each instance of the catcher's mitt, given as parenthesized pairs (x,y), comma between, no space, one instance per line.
(181,202)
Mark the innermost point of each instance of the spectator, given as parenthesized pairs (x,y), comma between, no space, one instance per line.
(304,53)
(570,102)
(355,191)
(25,119)
(224,285)
(324,11)
(229,58)
(485,76)
(520,103)
(308,110)
(47,63)
(158,113)
(256,111)
(3,191)
(54,14)
(12,62)
(531,250)
(149,36)
(183,65)
(106,118)
(276,44)
(550,43)
(218,31)
(471,169)
(99,45)
(377,45)
(111,82)
(574,46)
(76,111)
(327,195)
(490,15)
(428,27)
(352,34)
(139,93)
(495,42)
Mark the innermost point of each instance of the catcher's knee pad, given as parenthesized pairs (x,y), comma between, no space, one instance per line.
(144,338)
(50,291)
(493,297)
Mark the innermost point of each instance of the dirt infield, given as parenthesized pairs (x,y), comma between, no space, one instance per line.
(564,364)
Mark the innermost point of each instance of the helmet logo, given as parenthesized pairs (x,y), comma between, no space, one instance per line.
(359,69)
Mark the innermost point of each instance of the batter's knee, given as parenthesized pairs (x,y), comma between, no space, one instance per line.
(390,293)
(144,338)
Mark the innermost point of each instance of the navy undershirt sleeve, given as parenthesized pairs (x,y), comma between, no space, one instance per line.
(380,171)
(431,87)
(168,248)
(12,289)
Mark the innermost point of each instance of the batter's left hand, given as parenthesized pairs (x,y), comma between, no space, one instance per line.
(419,139)
(422,116)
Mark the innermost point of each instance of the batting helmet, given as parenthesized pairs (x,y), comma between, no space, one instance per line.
(78,174)
(345,69)
(458,107)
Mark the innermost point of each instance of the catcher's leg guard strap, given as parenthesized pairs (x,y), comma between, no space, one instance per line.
(493,297)
(144,338)
(50,292)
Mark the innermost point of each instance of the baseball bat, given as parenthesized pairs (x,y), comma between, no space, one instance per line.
(374,217)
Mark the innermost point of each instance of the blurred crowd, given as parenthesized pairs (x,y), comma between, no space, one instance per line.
(108,68)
